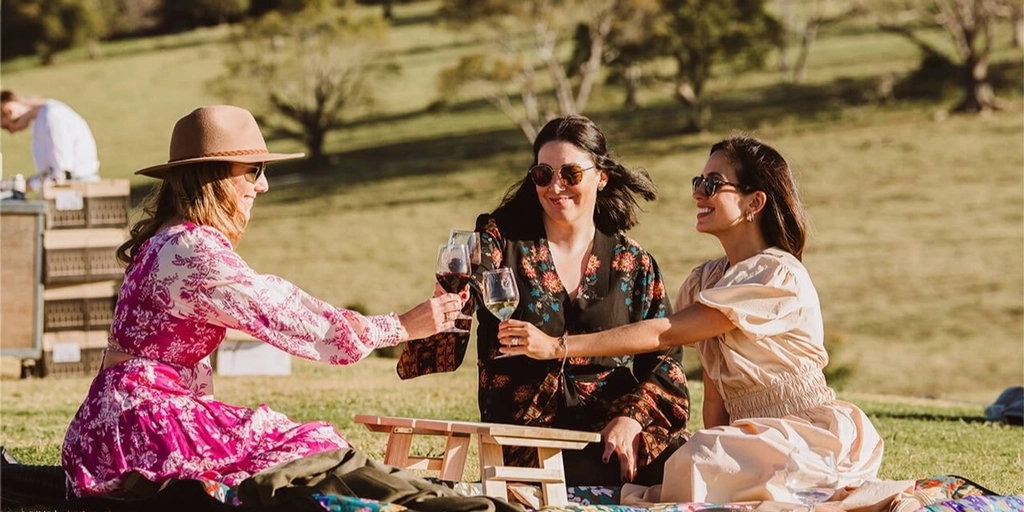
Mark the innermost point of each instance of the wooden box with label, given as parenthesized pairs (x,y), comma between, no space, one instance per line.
(87,204)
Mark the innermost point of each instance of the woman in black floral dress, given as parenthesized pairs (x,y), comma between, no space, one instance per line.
(561,230)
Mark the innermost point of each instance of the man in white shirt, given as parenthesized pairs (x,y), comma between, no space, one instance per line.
(62,144)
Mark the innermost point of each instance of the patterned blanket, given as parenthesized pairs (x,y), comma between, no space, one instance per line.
(944,493)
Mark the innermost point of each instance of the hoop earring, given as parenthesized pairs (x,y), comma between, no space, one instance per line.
(750,217)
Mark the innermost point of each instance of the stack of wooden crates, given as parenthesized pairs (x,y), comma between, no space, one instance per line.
(85,224)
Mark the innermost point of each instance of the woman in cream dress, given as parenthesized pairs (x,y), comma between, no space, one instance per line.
(755,320)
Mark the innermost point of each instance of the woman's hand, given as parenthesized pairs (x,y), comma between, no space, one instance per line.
(523,338)
(432,316)
(622,437)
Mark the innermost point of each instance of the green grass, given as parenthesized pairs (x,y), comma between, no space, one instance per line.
(923,437)
(916,243)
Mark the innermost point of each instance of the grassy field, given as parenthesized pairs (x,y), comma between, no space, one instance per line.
(916,246)
(923,437)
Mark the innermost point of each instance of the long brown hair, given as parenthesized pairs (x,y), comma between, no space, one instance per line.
(761,167)
(199,192)
(617,204)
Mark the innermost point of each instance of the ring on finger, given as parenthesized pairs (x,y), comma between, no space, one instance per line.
(515,341)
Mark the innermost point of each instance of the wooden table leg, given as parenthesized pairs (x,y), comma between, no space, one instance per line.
(491,455)
(555,493)
(454,462)
(397,453)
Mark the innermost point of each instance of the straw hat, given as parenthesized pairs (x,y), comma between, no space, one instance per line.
(217,133)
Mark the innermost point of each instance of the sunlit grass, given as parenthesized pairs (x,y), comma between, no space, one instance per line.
(923,437)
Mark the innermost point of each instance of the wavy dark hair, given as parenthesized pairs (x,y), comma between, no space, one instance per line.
(617,208)
(198,192)
(761,167)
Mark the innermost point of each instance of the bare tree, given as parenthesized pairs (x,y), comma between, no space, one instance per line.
(526,78)
(803,27)
(306,74)
(969,24)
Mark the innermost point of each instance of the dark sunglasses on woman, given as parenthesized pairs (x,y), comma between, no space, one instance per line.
(710,185)
(571,174)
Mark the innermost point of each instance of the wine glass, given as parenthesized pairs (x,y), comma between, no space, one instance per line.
(470,238)
(811,475)
(500,294)
(453,270)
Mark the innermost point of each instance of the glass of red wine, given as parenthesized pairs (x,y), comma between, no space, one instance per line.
(453,270)
(472,240)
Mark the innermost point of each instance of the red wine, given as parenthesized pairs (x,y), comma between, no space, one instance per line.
(453,282)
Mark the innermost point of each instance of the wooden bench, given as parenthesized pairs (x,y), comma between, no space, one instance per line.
(491,437)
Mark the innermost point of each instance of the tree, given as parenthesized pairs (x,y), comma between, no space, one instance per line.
(45,27)
(701,35)
(526,78)
(969,25)
(306,74)
(629,46)
(803,28)
(131,17)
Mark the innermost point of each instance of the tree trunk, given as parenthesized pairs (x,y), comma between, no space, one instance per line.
(1017,16)
(785,8)
(315,144)
(389,13)
(978,94)
(696,111)
(632,77)
(806,41)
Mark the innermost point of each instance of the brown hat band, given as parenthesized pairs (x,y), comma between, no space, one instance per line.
(235,152)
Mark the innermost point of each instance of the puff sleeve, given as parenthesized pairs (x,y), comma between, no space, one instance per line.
(761,296)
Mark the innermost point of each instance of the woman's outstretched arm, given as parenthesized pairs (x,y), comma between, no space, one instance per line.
(686,326)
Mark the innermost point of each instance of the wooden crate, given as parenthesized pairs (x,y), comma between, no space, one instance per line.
(21,289)
(81,255)
(87,204)
(90,348)
(80,307)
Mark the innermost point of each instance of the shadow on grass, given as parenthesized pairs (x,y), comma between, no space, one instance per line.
(741,109)
(925,416)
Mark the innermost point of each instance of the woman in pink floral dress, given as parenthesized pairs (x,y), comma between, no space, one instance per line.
(150,411)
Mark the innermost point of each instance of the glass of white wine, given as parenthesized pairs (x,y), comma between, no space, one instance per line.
(500,294)
(811,475)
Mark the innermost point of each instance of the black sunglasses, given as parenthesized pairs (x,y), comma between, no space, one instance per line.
(572,174)
(710,185)
(255,172)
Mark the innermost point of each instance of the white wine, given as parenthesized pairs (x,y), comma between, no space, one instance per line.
(502,309)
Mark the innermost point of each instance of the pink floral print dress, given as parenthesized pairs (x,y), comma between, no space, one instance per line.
(155,415)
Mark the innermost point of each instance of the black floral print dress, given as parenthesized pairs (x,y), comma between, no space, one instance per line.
(621,284)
